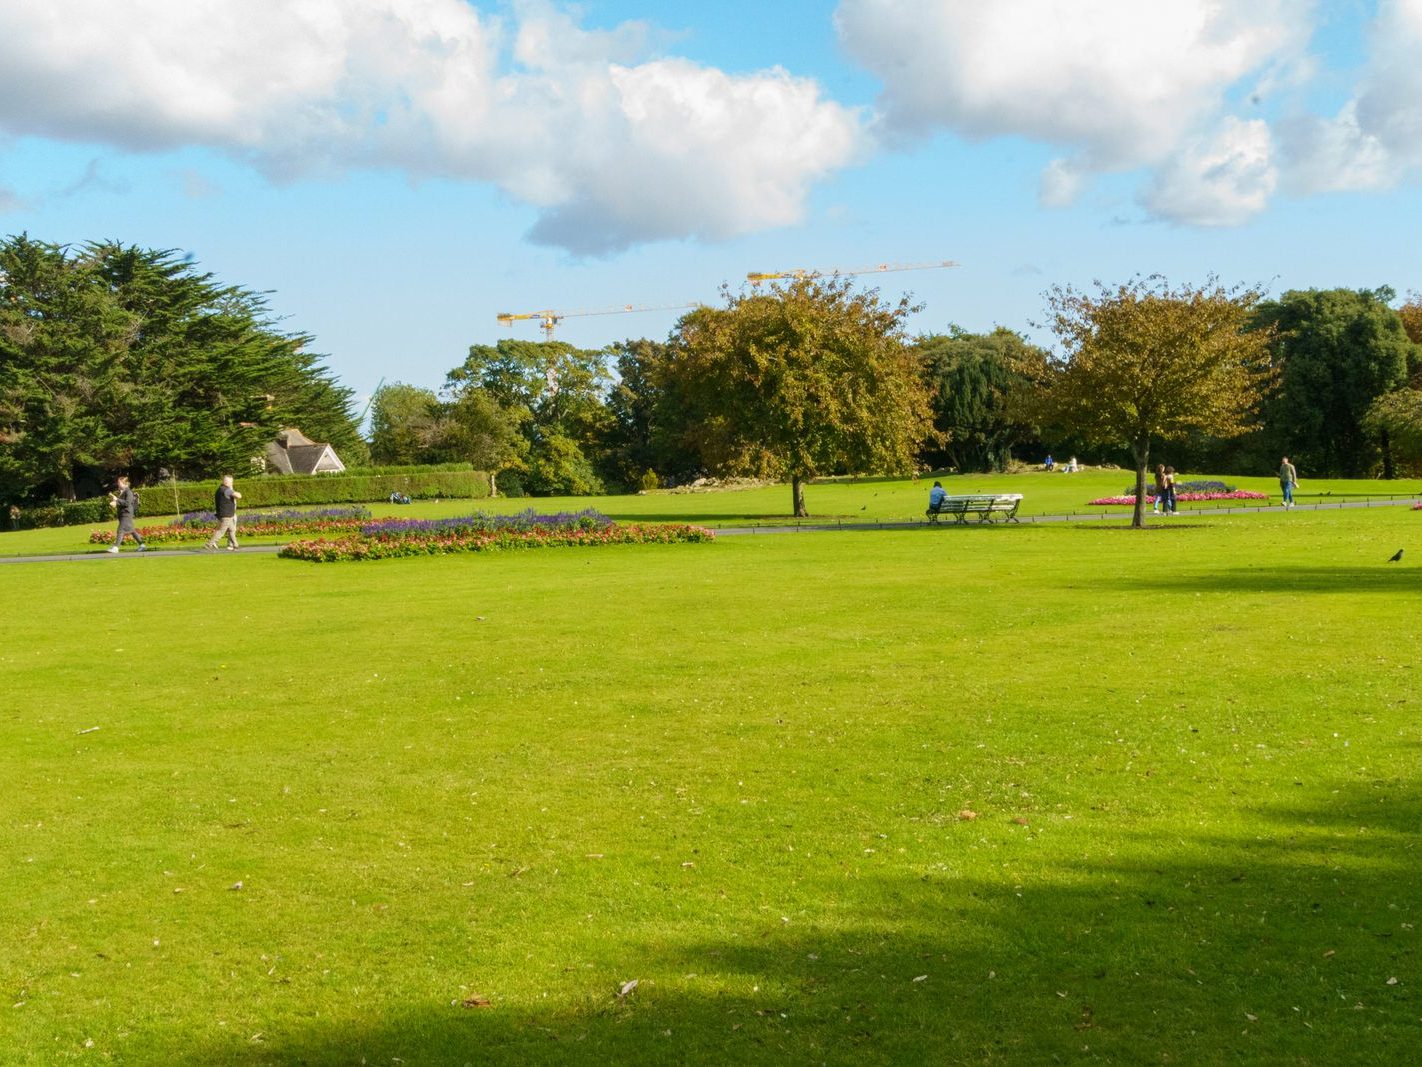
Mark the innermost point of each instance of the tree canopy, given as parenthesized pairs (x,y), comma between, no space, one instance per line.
(1144,361)
(553,393)
(1340,350)
(120,359)
(805,379)
(976,380)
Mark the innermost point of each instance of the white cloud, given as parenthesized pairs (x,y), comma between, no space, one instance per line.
(1375,140)
(1119,84)
(1221,180)
(614,149)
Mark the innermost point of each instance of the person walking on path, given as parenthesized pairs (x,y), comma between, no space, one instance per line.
(1159,488)
(225,506)
(125,501)
(1288,481)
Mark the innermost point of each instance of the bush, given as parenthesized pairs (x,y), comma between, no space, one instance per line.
(418,483)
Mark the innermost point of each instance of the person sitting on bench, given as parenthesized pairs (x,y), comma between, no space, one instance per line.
(936,496)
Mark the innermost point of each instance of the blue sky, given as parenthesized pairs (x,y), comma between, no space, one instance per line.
(396,172)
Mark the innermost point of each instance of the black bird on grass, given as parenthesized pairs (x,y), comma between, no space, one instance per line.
(1396,556)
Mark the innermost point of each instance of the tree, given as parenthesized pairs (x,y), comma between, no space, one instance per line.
(1411,315)
(474,428)
(808,378)
(554,393)
(1145,361)
(976,378)
(645,428)
(118,359)
(1340,350)
(402,423)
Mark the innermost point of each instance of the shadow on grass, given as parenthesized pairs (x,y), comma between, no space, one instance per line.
(1258,947)
(1318,578)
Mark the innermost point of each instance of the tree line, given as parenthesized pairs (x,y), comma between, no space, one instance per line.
(116,359)
(813,378)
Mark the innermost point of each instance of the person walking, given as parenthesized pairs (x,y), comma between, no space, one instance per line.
(1159,488)
(1170,490)
(125,502)
(1288,481)
(224,505)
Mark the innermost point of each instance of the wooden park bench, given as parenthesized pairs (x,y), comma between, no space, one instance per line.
(986,506)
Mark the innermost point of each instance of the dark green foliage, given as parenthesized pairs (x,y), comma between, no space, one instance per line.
(974,377)
(643,443)
(118,359)
(1340,350)
(534,406)
(403,420)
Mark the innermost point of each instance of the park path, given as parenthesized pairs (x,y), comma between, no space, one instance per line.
(808,526)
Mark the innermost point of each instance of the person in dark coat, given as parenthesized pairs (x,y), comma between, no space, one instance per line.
(125,501)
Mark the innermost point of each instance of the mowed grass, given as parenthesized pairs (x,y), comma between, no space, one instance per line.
(736,773)
(847,501)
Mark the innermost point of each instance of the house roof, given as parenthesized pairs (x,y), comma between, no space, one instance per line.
(294,453)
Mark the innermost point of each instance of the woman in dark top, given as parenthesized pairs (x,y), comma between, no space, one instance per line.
(125,501)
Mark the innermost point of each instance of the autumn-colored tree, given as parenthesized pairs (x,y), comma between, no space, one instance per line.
(1145,361)
(804,379)
(1411,315)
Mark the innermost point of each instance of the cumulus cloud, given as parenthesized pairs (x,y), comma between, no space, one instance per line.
(1375,139)
(1221,180)
(613,148)
(1118,84)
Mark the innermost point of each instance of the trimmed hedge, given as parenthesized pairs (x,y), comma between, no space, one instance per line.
(418,483)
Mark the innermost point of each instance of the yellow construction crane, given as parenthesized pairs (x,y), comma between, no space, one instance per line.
(549,319)
(756,277)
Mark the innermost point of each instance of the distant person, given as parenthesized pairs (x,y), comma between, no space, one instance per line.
(1159,488)
(1071,467)
(936,496)
(1049,462)
(1288,481)
(224,505)
(125,501)
(1170,490)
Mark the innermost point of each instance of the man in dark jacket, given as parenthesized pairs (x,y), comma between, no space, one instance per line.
(125,501)
(224,504)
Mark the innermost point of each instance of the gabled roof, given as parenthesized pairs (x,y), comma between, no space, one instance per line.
(294,453)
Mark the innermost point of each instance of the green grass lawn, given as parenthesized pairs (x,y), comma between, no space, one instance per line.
(735,773)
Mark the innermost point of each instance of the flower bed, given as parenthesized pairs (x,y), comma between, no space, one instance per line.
(199,525)
(1129,499)
(390,529)
(280,516)
(418,542)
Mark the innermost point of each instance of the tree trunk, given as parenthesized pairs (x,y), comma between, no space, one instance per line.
(1140,450)
(797,489)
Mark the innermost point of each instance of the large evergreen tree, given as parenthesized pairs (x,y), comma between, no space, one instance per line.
(120,359)
(975,379)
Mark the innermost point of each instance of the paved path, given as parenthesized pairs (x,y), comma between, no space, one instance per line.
(808,526)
